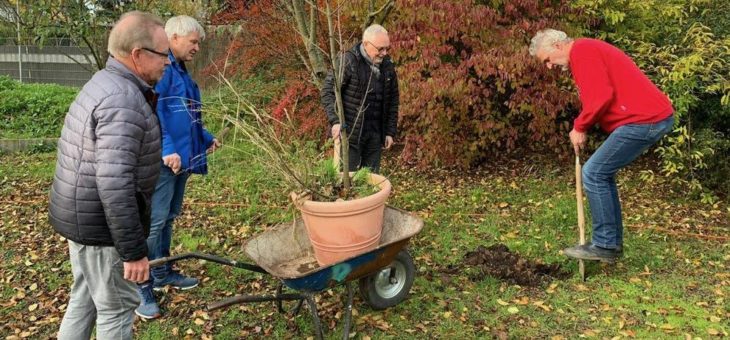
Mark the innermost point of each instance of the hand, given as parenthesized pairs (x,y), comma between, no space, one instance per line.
(335,131)
(173,162)
(137,271)
(578,139)
(388,142)
(215,146)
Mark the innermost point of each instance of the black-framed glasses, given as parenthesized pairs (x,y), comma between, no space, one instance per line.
(380,49)
(161,54)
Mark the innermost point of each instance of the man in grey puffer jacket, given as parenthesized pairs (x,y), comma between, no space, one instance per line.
(107,166)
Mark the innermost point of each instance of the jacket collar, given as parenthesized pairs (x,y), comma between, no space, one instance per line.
(114,66)
(180,66)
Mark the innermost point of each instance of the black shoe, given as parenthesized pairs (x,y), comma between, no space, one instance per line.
(594,253)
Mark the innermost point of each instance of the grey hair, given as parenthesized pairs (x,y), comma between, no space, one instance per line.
(139,33)
(372,31)
(546,39)
(183,25)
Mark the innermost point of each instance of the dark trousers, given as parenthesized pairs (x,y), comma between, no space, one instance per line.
(367,152)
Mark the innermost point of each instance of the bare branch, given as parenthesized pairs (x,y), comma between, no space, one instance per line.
(383,11)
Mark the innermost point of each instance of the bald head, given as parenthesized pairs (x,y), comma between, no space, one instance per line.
(133,30)
(138,41)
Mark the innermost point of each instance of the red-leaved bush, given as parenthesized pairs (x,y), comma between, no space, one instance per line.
(469,88)
(300,104)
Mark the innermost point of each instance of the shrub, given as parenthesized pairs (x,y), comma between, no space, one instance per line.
(300,103)
(469,88)
(33,110)
(715,177)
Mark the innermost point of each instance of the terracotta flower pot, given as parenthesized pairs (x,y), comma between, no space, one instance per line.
(340,230)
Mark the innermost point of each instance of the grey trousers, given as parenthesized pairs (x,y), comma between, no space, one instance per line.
(100,295)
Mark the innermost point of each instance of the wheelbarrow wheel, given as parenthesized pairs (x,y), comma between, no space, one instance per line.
(391,285)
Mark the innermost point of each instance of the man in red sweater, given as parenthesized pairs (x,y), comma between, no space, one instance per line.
(621,99)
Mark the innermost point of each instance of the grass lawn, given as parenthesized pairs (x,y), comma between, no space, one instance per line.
(673,282)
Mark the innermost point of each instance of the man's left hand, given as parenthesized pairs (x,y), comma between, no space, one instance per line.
(215,146)
(578,139)
(388,142)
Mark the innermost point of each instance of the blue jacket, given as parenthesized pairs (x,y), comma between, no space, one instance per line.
(179,112)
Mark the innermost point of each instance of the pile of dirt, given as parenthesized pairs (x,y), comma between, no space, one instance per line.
(499,262)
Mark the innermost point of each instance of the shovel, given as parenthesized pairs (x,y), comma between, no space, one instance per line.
(581,213)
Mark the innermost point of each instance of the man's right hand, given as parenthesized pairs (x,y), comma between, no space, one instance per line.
(335,131)
(173,162)
(578,139)
(137,271)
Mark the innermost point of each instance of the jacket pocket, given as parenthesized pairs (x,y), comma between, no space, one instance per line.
(145,212)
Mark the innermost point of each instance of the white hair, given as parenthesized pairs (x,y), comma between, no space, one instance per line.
(183,25)
(372,31)
(546,39)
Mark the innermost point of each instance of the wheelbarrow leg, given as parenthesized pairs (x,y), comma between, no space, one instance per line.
(313,310)
(279,303)
(348,311)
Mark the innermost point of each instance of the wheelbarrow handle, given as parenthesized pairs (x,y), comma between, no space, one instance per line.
(207,257)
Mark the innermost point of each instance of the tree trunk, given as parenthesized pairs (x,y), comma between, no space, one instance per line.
(306,26)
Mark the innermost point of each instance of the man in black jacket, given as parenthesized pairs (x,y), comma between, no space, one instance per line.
(369,96)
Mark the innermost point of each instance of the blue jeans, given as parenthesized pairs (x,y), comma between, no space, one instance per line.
(625,144)
(166,205)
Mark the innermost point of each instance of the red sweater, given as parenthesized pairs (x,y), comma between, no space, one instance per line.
(612,89)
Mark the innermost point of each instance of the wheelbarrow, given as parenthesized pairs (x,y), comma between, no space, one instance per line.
(385,274)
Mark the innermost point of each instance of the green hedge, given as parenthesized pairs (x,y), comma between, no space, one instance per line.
(33,110)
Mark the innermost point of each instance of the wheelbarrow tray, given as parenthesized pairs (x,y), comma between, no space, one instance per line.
(286,253)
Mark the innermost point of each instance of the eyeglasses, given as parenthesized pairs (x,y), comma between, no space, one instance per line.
(160,54)
(380,49)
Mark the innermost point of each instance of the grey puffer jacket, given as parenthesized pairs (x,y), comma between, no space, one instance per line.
(108,163)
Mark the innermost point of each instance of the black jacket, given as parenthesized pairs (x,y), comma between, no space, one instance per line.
(108,163)
(354,87)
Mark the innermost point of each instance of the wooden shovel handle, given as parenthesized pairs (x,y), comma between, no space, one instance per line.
(579,199)
(581,213)
(337,153)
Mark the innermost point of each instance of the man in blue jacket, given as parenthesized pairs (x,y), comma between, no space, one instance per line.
(185,144)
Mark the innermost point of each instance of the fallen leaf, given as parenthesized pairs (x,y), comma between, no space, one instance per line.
(522,301)
(590,332)
(513,310)
(666,326)
(499,301)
